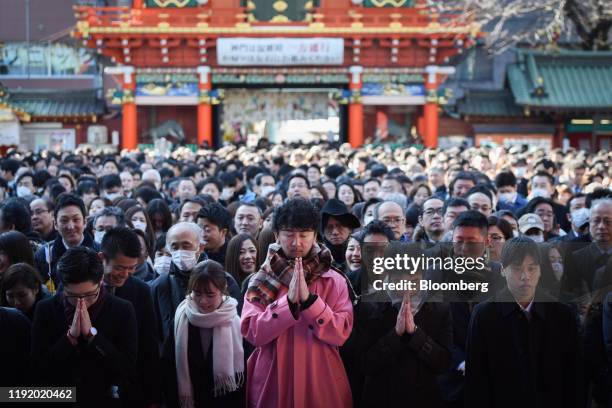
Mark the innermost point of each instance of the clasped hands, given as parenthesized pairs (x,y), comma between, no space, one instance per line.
(81,323)
(405,319)
(298,289)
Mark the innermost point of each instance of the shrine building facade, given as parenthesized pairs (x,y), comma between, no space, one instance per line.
(206,62)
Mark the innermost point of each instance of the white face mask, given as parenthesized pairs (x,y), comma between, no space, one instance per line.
(98,235)
(507,197)
(113,196)
(265,190)
(520,171)
(23,191)
(537,238)
(515,233)
(540,192)
(557,268)
(139,225)
(162,264)
(184,260)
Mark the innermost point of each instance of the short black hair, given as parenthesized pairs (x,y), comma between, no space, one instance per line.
(300,175)
(377,181)
(577,195)
(297,213)
(534,202)
(216,214)
(87,186)
(16,213)
(211,180)
(472,218)
(17,247)
(111,181)
(376,227)
(547,163)
(261,175)
(78,265)
(190,171)
(597,194)
(462,175)
(544,174)
(23,175)
(147,194)
(66,200)
(10,165)
(455,202)
(195,199)
(516,249)
(504,179)
(120,240)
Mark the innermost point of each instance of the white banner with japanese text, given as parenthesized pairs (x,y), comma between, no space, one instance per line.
(280,51)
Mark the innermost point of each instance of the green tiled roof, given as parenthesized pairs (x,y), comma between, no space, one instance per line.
(563,81)
(489,103)
(57,103)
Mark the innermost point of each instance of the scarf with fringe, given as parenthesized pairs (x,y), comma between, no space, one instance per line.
(277,271)
(227,352)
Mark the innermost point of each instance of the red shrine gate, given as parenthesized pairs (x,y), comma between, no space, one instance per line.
(378,53)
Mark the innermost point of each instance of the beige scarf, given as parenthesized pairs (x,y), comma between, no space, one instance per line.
(227,353)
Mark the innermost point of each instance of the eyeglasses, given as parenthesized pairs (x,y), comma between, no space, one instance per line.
(390,221)
(431,211)
(86,296)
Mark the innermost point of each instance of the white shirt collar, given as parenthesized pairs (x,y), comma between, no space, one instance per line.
(68,246)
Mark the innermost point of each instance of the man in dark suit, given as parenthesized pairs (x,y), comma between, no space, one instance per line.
(581,277)
(120,255)
(470,240)
(523,348)
(70,218)
(84,336)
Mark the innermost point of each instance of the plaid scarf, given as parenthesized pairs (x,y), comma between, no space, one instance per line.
(277,271)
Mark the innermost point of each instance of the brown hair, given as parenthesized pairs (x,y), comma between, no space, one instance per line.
(232,257)
(208,273)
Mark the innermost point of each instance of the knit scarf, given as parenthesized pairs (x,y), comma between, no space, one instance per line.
(227,353)
(277,271)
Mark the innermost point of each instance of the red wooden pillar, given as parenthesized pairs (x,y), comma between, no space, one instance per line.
(129,124)
(355,111)
(138,4)
(430,110)
(205,129)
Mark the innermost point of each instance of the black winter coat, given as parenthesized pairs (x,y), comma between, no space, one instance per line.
(138,294)
(513,361)
(401,371)
(94,368)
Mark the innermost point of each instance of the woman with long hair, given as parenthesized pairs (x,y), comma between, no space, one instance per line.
(204,355)
(241,257)
(160,215)
(137,218)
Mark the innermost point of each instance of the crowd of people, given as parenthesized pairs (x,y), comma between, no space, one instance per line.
(239,276)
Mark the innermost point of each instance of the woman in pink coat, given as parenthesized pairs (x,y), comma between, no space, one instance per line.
(297,312)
